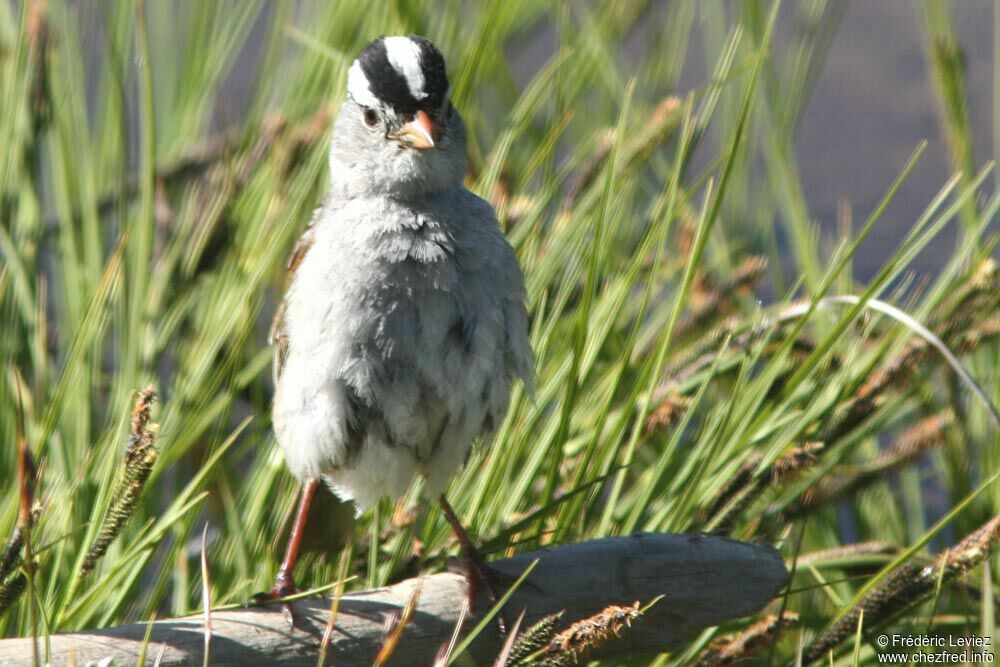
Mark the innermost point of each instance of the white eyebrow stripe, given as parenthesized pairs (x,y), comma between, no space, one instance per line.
(358,87)
(404,56)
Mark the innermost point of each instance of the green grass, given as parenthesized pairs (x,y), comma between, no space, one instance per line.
(143,242)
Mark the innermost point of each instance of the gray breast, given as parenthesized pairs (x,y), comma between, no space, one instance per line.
(412,342)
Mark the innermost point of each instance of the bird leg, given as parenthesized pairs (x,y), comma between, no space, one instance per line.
(284,583)
(476,570)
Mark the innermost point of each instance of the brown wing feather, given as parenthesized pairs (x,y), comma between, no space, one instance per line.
(277,336)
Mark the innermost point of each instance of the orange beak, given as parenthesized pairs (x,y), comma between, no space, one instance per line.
(419,133)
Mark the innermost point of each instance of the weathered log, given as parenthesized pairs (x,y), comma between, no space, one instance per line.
(703,580)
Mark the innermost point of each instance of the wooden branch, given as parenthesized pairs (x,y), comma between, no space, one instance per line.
(704,581)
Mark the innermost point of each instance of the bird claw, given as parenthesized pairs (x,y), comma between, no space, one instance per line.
(478,573)
(282,588)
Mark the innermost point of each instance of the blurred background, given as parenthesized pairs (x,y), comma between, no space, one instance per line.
(672,174)
(872,94)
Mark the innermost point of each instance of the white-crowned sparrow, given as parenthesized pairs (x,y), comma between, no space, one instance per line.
(404,324)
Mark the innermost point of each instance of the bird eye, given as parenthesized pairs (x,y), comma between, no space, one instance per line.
(371,117)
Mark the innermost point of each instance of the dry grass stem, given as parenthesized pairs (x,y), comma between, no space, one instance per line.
(445,651)
(395,624)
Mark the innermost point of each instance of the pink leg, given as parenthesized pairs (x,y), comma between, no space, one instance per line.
(284,583)
(476,570)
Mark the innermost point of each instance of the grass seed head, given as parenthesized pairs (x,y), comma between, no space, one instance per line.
(745,645)
(140,457)
(534,639)
(907,585)
(11,556)
(847,551)
(572,644)
(11,590)
(893,594)
(926,434)
(670,411)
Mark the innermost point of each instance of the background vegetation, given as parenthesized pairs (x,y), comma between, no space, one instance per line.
(142,243)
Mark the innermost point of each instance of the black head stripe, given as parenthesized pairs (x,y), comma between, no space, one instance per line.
(390,85)
(385,82)
(435,76)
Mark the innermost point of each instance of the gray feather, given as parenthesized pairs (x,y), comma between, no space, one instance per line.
(404,324)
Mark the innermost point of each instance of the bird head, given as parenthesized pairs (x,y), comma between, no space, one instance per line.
(397,132)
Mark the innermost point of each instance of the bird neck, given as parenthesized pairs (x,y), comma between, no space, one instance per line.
(352,179)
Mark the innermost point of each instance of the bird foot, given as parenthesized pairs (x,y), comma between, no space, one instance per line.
(493,582)
(480,576)
(283,586)
(477,572)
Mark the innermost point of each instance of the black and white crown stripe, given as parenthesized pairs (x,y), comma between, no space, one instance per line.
(404,73)
(404,55)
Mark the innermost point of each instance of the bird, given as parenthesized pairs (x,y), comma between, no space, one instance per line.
(404,326)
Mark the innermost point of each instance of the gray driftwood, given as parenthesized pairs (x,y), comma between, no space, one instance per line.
(704,581)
